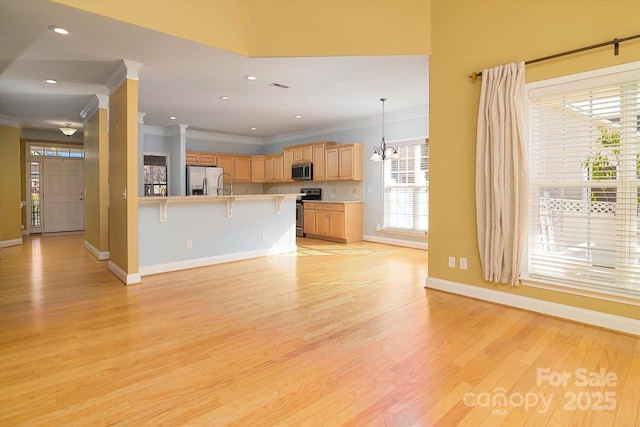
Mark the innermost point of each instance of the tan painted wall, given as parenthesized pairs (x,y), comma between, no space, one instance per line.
(96,180)
(283,27)
(123,175)
(346,27)
(468,36)
(10,184)
(219,23)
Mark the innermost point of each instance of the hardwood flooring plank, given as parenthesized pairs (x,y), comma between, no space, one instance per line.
(333,335)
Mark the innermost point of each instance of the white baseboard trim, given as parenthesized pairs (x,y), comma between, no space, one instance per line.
(219,259)
(125,278)
(96,253)
(396,242)
(13,242)
(581,315)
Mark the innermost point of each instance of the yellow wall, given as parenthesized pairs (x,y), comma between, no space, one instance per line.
(470,36)
(123,175)
(219,23)
(96,180)
(10,184)
(346,27)
(261,28)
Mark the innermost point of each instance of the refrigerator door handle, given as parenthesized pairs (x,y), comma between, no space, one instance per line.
(205,186)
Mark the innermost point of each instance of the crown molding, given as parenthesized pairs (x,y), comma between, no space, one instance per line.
(421,111)
(9,121)
(98,101)
(126,70)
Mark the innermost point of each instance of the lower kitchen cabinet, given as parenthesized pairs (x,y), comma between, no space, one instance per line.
(340,222)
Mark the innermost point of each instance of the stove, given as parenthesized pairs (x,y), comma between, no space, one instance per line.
(308,194)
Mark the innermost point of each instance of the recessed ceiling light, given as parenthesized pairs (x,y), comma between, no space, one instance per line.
(172,117)
(224,98)
(51,81)
(298,117)
(254,128)
(251,77)
(59,30)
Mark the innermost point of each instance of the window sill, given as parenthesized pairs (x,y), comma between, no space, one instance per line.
(585,292)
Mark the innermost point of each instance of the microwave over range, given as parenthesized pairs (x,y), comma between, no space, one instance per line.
(302,171)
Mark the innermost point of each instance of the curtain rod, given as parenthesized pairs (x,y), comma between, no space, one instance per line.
(615,42)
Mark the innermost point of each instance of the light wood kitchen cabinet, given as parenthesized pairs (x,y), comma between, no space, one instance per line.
(192,158)
(258,169)
(226,162)
(331,164)
(309,218)
(302,153)
(208,159)
(344,162)
(195,158)
(341,222)
(287,162)
(273,170)
(318,162)
(242,166)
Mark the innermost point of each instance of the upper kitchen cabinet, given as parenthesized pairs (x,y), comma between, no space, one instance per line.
(258,169)
(226,162)
(273,168)
(200,159)
(302,153)
(344,162)
(287,162)
(319,162)
(243,169)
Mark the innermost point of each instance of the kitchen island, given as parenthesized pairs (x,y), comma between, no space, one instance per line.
(176,233)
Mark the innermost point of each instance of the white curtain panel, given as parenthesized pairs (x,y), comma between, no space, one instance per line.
(501,174)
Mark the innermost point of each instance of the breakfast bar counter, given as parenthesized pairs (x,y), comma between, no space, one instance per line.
(182,232)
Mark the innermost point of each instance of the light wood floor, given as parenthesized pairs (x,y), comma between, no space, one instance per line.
(335,335)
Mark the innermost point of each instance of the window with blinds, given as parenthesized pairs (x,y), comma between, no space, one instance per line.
(406,189)
(585,181)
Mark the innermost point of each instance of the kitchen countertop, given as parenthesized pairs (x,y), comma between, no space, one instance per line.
(333,201)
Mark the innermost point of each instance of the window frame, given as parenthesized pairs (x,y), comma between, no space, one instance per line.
(565,84)
(413,142)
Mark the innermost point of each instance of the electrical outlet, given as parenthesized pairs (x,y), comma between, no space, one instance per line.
(189,244)
(463,263)
(264,236)
(452,262)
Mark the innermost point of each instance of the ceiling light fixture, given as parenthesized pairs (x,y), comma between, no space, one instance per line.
(298,117)
(51,81)
(172,117)
(59,30)
(68,130)
(383,152)
(251,78)
(254,128)
(224,98)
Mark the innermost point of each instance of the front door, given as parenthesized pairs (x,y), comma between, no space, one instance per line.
(63,195)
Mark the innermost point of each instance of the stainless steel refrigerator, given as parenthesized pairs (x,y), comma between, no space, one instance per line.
(203,180)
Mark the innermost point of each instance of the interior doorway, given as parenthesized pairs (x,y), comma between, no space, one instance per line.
(55,188)
(62,195)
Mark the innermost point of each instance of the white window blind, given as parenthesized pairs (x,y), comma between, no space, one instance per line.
(585,177)
(406,189)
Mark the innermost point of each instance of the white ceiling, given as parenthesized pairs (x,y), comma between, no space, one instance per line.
(186,79)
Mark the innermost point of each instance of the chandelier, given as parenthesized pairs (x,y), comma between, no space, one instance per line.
(68,130)
(383,152)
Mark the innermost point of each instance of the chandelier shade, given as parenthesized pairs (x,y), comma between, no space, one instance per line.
(68,130)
